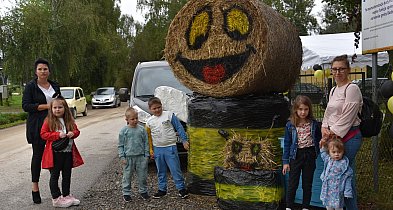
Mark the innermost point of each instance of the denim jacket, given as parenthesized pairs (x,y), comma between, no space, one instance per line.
(290,140)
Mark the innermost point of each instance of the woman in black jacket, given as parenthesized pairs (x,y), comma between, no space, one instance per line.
(36,98)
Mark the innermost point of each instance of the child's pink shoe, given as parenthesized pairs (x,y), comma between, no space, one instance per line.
(61,202)
(75,201)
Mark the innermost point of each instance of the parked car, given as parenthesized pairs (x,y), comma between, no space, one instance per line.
(76,100)
(105,97)
(147,77)
(314,92)
(124,94)
(366,87)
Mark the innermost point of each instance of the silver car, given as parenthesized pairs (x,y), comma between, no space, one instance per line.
(105,97)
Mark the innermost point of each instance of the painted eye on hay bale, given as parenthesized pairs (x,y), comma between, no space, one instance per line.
(229,48)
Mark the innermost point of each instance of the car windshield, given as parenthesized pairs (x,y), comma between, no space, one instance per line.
(67,93)
(152,77)
(104,91)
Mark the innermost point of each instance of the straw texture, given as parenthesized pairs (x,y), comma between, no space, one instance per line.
(225,48)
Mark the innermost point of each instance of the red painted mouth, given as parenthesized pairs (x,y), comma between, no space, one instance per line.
(213,74)
(216,70)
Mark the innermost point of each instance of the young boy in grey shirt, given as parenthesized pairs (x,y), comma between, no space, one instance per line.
(133,150)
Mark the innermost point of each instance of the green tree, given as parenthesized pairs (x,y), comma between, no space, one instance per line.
(298,12)
(81,39)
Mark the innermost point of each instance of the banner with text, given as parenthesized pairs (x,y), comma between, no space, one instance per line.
(377,26)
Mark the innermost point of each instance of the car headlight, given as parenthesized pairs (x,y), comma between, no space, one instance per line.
(142,115)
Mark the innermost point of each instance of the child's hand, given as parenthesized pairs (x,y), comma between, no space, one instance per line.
(186,145)
(322,142)
(285,169)
(70,134)
(62,135)
(152,156)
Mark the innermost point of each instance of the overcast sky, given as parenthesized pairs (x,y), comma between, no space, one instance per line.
(129,7)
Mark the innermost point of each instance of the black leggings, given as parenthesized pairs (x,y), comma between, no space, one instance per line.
(62,162)
(38,150)
(304,164)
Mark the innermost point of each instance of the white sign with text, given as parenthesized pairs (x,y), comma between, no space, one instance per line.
(377,26)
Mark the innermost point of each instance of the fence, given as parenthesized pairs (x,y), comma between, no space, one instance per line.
(374,161)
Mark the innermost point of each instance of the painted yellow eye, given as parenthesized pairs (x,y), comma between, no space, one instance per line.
(199,28)
(237,23)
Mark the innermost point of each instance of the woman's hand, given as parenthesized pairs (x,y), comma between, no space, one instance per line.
(325,132)
(285,169)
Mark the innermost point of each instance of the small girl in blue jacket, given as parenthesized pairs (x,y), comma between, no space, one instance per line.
(336,176)
(301,147)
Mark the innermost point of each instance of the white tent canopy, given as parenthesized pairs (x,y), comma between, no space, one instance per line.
(321,49)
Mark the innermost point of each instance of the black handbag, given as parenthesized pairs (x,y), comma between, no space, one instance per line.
(60,144)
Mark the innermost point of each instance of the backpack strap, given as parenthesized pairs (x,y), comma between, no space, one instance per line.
(345,91)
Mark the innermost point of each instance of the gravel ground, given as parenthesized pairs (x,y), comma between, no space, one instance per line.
(107,194)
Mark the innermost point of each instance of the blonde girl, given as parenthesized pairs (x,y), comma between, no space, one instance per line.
(57,125)
(301,147)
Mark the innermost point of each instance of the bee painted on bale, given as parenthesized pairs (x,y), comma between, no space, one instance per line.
(238,57)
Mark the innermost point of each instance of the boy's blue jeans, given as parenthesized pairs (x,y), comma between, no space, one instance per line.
(168,157)
(352,147)
(139,164)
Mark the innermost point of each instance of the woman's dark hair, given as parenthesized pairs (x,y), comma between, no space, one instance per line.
(342,58)
(41,61)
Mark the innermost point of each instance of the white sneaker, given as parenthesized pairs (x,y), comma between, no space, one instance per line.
(75,201)
(287,208)
(61,202)
(304,209)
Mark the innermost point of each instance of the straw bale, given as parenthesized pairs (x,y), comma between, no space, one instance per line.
(225,48)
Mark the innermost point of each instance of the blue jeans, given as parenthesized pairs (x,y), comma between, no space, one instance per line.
(139,164)
(352,147)
(168,157)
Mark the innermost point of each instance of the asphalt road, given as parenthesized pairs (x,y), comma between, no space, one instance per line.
(97,145)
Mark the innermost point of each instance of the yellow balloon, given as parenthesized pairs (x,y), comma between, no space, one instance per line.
(390,104)
(318,74)
(327,72)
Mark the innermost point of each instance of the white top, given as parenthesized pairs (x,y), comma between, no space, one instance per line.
(342,110)
(48,93)
(162,132)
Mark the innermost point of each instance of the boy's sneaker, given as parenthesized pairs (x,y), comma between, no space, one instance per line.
(145,196)
(61,202)
(127,198)
(75,202)
(183,193)
(159,194)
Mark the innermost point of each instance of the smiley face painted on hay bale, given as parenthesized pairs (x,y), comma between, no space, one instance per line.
(248,154)
(228,48)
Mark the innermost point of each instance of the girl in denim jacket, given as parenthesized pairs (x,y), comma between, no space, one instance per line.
(301,147)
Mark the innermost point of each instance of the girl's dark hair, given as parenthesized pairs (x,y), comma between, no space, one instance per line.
(300,99)
(41,61)
(341,58)
(154,100)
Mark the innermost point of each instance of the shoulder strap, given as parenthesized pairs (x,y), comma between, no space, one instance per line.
(345,91)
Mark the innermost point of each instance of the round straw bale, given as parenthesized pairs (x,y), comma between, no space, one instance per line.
(233,47)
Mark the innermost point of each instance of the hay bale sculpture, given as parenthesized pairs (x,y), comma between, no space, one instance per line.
(236,55)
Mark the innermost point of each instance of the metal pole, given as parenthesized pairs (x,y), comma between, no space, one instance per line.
(375,138)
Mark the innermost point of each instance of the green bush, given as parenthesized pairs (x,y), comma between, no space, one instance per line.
(8,118)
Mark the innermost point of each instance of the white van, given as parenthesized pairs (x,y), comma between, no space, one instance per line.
(147,77)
